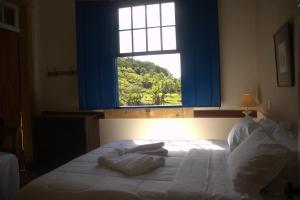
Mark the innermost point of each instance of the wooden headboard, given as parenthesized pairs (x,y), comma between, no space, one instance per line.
(222,113)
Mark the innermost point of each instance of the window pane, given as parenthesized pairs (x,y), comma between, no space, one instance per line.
(169,38)
(152,80)
(139,40)
(124,18)
(125,42)
(154,42)
(168,14)
(138,16)
(9,16)
(153,15)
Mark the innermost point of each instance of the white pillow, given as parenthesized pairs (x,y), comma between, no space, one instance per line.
(256,161)
(287,139)
(240,131)
(268,124)
(279,133)
(288,173)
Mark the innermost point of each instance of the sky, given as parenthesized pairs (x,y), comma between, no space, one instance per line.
(168,61)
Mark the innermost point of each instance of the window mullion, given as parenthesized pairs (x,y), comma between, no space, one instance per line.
(160,19)
(132,46)
(166,26)
(146,28)
(148,53)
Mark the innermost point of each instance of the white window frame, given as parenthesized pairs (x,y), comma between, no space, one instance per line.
(147,52)
(6,26)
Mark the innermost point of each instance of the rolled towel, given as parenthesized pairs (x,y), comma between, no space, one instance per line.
(145,147)
(155,152)
(132,164)
(149,149)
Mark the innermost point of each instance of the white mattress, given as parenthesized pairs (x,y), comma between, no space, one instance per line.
(9,176)
(82,178)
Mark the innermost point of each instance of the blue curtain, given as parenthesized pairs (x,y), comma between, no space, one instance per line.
(96,55)
(198,42)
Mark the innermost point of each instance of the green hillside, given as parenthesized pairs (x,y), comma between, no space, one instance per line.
(144,83)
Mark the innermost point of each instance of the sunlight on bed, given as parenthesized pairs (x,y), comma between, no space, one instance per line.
(183,145)
(177,136)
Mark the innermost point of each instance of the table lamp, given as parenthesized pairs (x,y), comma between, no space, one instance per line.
(248,101)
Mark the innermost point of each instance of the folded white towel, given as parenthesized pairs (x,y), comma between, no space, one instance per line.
(144,147)
(132,164)
(155,152)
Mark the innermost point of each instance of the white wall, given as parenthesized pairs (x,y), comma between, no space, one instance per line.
(271,15)
(284,101)
(237,49)
(55,46)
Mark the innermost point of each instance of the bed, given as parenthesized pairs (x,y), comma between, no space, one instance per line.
(9,176)
(82,178)
(252,160)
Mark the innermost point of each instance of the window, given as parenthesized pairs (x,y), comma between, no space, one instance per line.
(9,16)
(98,43)
(148,59)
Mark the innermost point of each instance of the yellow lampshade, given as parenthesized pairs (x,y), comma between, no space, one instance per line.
(248,100)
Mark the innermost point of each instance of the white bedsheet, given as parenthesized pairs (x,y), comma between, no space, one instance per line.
(9,176)
(82,178)
(203,175)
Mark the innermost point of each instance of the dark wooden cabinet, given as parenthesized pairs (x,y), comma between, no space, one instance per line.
(10,93)
(58,139)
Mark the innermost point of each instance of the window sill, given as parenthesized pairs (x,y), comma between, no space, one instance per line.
(148,107)
(149,112)
(171,112)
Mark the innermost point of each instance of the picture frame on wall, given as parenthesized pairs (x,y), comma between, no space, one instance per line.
(283,41)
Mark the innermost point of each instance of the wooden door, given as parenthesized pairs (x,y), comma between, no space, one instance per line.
(10,99)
